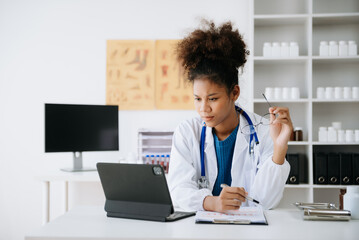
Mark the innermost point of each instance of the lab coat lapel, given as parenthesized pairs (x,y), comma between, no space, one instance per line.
(211,157)
(242,167)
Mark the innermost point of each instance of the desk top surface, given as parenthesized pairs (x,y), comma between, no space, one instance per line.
(58,175)
(90,222)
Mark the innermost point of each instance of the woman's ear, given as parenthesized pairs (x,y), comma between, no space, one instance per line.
(235,93)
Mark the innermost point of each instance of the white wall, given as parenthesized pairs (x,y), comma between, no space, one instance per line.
(54,51)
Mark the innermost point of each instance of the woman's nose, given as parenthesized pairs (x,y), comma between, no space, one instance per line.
(204,106)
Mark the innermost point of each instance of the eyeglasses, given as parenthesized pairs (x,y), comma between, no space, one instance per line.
(264,120)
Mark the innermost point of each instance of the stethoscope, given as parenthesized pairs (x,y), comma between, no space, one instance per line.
(202,181)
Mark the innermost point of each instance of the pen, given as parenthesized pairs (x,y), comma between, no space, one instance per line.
(248,198)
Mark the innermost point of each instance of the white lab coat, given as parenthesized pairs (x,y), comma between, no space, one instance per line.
(263,179)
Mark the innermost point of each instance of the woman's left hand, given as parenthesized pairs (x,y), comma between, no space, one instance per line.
(281,127)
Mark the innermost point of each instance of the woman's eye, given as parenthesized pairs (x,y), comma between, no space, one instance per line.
(213,99)
(197,99)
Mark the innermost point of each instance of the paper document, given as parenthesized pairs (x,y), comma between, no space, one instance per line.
(244,215)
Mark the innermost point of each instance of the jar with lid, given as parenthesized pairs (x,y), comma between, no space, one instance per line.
(284,49)
(275,49)
(343,48)
(351,201)
(352,48)
(267,49)
(323,134)
(323,48)
(293,49)
(333,48)
(298,134)
(332,134)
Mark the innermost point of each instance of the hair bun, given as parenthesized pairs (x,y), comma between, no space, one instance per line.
(222,45)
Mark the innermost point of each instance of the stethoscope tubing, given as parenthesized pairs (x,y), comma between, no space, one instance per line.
(252,136)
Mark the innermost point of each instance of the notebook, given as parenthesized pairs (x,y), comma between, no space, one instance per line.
(244,215)
(137,191)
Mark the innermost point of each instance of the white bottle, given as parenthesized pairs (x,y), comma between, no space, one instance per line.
(286,92)
(351,201)
(347,93)
(332,135)
(338,93)
(333,48)
(337,125)
(284,49)
(267,49)
(341,136)
(320,93)
(294,49)
(323,48)
(295,93)
(277,93)
(343,48)
(356,133)
(275,49)
(329,93)
(352,48)
(355,92)
(349,136)
(323,134)
(269,92)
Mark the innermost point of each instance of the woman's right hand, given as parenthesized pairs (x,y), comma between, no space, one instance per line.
(230,198)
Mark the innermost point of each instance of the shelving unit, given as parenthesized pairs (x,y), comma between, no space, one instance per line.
(154,142)
(307,22)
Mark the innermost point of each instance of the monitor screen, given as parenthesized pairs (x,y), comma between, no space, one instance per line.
(77,128)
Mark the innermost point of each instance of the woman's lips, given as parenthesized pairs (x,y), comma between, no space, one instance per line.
(207,119)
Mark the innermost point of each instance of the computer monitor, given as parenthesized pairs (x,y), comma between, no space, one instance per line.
(77,128)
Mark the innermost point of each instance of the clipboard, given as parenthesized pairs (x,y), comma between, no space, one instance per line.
(242,216)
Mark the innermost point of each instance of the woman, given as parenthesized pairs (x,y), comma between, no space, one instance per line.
(211,57)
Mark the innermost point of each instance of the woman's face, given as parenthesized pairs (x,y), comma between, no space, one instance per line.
(212,101)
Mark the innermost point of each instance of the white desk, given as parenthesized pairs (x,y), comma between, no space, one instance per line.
(92,223)
(65,177)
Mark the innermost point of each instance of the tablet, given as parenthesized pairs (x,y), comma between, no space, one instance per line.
(137,191)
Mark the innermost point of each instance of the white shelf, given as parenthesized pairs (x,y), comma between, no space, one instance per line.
(280,60)
(336,143)
(150,137)
(305,186)
(156,146)
(335,100)
(349,59)
(279,20)
(335,18)
(318,186)
(302,100)
(328,186)
(298,143)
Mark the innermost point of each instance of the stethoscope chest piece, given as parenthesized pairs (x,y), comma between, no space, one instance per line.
(203,182)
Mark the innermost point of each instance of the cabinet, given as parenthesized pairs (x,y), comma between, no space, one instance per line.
(307,22)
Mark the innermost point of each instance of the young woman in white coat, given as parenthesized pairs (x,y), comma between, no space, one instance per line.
(250,164)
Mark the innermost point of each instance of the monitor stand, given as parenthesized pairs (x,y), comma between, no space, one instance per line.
(77,157)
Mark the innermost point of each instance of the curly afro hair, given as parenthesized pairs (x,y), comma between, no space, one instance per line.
(213,52)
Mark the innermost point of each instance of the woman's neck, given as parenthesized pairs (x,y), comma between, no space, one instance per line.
(225,128)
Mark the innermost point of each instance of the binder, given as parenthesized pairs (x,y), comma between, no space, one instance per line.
(346,177)
(320,168)
(355,161)
(293,160)
(333,168)
(303,168)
